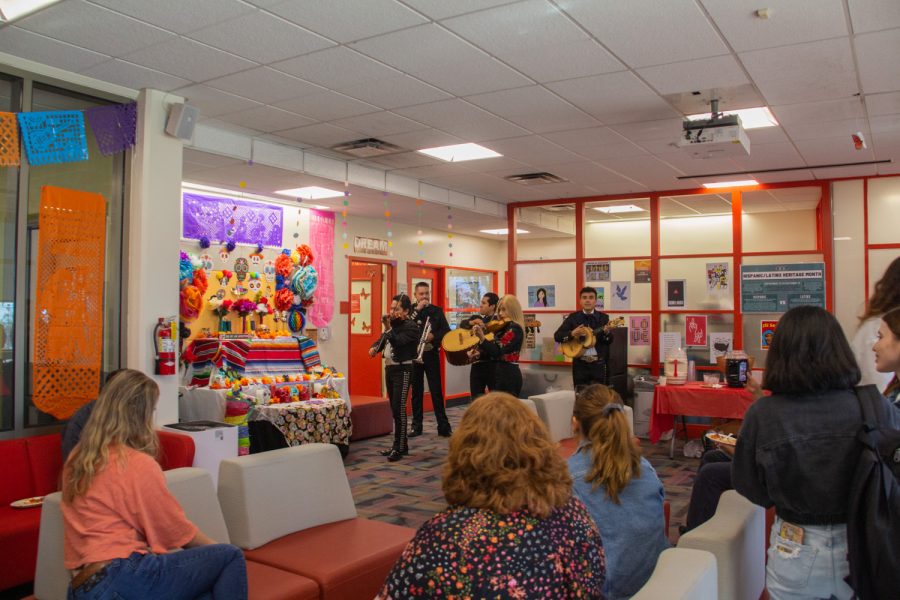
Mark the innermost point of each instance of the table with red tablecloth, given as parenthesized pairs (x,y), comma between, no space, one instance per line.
(694,399)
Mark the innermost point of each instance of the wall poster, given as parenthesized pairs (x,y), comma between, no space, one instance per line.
(719,345)
(639,330)
(601,298)
(717,277)
(780,287)
(620,298)
(642,271)
(695,327)
(675,293)
(766,333)
(596,270)
(541,296)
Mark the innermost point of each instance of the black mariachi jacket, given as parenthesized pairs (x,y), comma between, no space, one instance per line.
(593,321)
(404,339)
(439,326)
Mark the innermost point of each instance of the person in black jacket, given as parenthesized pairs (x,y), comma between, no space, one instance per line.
(399,345)
(481,373)
(504,349)
(431,362)
(590,367)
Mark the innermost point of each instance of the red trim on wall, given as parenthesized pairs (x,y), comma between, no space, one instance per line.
(866,237)
(579,246)
(512,247)
(826,239)
(655,284)
(737,243)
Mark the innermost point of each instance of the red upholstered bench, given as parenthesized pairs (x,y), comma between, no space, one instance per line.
(371,416)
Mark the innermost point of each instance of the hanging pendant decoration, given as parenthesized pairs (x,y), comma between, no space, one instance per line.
(421,243)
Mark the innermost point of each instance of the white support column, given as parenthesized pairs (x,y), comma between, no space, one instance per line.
(153,241)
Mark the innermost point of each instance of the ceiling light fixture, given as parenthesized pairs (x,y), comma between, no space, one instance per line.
(503,231)
(312,192)
(622,208)
(460,152)
(727,184)
(751,118)
(16,9)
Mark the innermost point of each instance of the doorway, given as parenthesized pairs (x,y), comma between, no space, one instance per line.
(371,288)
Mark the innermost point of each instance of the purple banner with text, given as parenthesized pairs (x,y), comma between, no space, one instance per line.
(221,219)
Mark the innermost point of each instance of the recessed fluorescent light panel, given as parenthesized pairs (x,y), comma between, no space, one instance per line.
(312,192)
(751,118)
(727,184)
(14,9)
(503,231)
(460,152)
(622,208)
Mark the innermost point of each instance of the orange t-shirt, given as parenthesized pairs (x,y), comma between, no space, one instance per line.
(127,509)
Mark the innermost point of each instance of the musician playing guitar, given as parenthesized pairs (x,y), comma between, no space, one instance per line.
(590,367)
(481,374)
(504,349)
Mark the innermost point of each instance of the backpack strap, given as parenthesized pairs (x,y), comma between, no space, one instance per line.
(873,406)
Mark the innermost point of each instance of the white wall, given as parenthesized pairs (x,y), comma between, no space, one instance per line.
(544,248)
(849,254)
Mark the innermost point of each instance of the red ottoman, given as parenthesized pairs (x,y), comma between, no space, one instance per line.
(371,416)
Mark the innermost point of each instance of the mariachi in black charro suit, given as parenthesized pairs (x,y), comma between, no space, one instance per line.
(590,367)
(430,367)
(481,373)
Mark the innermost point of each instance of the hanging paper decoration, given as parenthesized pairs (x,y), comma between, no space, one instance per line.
(214,217)
(421,242)
(9,140)
(191,302)
(114,126)
(344,212)
(450,231)
(54,136)
(296,320)
(321,234)
(387,222)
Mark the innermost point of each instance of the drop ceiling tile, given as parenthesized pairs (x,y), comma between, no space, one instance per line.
(321,134)
(791,22)
(429,171)
(592,140)
(493,165)
(766,135)
(177,15)
(348,20)
(818,129)
(49,51)
(685,163)
(230,127)
(839,172)
(442,59)
(831,150)
(815,112)
(265,85)
(441,9)
(770,156)
(534,151)
(379,124)
(699,74)
(884,124)
(212,102)
(267,119)
(642,33)
(462,119)
(873,15)
(647,170)
(614,98)
(403,160)
(327,105)
(396,91)
(261,37)
(663,130)
(784,176)
(876,54)
(189,59)
(587,173)
(883,104)
(564,60)
(423,138)
(534,108)
(134,76)
(809,72)
(94,28)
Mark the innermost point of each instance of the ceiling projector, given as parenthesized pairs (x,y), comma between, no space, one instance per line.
(717,137)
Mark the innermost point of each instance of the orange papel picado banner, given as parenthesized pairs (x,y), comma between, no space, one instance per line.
(68,346)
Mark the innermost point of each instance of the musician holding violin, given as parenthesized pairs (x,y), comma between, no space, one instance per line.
(590,364)
(481,374)
(399,344)
(504,347)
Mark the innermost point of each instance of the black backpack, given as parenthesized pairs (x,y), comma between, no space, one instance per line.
(873,519)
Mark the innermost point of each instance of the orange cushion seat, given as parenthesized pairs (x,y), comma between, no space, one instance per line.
(268,583)
(349,559)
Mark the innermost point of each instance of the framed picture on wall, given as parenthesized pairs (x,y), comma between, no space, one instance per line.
(596,270)
(541,296)
(675,293)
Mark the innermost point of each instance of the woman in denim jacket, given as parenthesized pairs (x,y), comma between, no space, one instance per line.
(797,450)
(620,489)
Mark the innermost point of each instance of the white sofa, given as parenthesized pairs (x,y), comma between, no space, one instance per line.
(736,536)
(555,410)
(681,574)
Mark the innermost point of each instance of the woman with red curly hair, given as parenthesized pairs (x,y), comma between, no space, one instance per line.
(513,528)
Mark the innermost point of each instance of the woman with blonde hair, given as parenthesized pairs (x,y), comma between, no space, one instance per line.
(620,489)
(505,347)
(120,519)
(513,528)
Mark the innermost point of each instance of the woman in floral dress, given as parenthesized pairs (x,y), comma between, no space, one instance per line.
(513,528)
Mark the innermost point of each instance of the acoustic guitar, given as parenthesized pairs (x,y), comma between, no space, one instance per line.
(457,343)
(577,344)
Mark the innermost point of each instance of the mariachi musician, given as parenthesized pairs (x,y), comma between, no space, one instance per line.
(504,349)
(429,364)
(481,374)
(590,367)
(399,345)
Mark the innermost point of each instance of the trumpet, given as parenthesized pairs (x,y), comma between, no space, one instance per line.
(426,329)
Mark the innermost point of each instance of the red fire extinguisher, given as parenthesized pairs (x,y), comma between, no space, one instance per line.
(164,346)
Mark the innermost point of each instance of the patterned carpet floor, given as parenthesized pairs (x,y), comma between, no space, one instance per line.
(408,492)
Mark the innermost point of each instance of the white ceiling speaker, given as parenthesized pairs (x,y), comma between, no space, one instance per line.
(182,120)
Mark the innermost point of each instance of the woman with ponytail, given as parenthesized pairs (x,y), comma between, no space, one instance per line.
(620,489)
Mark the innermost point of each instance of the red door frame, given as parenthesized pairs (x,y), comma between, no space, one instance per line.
(391,289)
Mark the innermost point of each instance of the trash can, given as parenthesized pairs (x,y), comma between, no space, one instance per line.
(213,442)
(644,387)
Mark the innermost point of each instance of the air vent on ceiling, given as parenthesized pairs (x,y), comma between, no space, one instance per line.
(535,178)
(367,148)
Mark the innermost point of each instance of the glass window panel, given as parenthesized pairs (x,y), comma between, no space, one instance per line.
(638,354)
(780,219)
(9,185)
(609,231)
(542,347)
(879,260)
(701,292)
(99,174)
(697,224)
(551,233)
(557,280)
(715,323)
(639,297)
(884,210)
(753,336)
(465,288)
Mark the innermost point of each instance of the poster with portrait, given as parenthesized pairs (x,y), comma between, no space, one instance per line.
(541,296)
(695,330)
(642,271)
(465,292)
(601,298)
(639,330)
(596,270)
(620,295)
(675,293)
(717,277)
(719,345)
(766,333)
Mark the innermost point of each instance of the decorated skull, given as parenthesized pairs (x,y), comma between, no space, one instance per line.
(241,268)
(254,285)
(206,263)
(224,254)
(256,259)
(269,270)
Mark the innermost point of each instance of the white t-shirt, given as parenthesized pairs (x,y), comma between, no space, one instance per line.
(862,348)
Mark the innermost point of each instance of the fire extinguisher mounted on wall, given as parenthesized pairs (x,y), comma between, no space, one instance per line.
(164,348)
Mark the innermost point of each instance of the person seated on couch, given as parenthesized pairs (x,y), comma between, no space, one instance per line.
(513,528)
(120,519)
(620,489)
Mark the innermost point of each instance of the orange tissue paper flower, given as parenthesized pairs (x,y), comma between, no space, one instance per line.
(284,265)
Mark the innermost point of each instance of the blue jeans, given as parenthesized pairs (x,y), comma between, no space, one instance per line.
(814,569)
(217,571)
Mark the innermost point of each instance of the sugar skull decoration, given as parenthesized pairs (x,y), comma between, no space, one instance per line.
(241,268)
(269,270)
(254,283)
(206,263)
(256,259)
(224,254)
